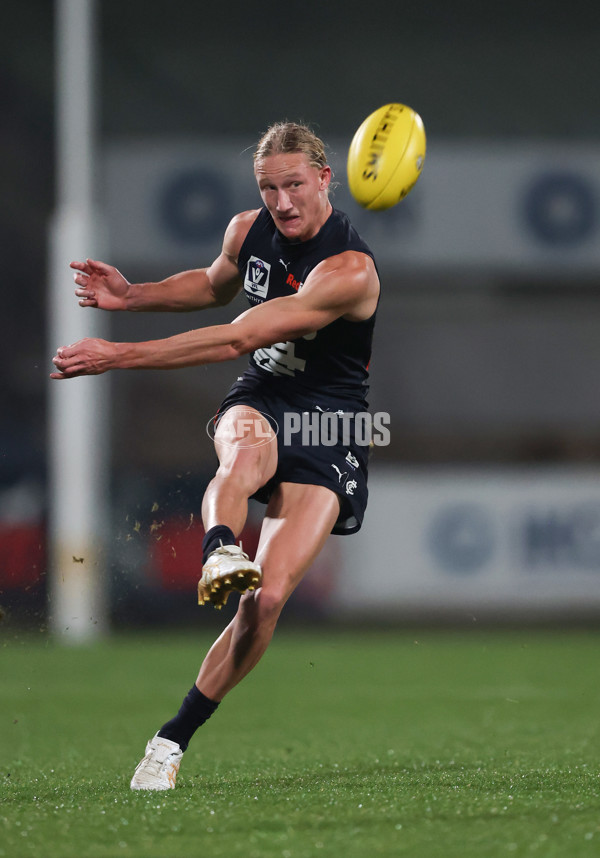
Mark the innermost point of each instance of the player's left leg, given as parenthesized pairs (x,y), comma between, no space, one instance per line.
(298,520)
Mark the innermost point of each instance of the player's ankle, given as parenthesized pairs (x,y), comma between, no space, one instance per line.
(195,710)
(218,535)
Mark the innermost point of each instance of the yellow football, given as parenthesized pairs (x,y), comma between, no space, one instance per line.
(386,156)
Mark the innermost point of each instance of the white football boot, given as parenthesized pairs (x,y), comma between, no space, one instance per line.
(158,770)
(227,568)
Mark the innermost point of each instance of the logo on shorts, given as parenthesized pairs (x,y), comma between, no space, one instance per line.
(341,474)
(352,460)
(350,486)
(256,281)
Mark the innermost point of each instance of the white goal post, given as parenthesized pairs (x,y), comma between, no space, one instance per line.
(78,423)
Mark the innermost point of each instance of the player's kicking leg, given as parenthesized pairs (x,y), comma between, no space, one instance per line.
(247,449)
(298,521)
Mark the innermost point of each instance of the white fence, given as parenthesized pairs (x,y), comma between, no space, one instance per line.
(473,544)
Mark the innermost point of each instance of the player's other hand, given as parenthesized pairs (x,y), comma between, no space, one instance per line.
(90,356)
(100,285)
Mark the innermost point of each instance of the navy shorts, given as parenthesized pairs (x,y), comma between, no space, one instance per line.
(302,457)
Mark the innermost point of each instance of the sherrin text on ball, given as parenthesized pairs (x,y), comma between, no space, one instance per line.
(386,156)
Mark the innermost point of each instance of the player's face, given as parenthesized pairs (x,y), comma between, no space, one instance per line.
(295,193)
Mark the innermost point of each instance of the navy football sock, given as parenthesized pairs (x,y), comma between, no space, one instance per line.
(195,710)
(218,534)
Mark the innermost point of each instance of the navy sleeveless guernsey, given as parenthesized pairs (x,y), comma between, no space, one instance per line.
(322,373)
(335,358)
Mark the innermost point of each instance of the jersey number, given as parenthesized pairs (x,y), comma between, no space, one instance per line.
(280,358)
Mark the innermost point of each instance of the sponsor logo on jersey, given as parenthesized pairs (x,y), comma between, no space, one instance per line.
(295,284)
(256,281)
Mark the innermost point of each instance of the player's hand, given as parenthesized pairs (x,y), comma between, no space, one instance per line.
(100,285)
(85,357)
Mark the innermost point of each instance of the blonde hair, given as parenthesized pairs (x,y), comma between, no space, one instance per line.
(283,138)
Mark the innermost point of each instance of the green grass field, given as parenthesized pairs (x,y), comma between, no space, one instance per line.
(373,744)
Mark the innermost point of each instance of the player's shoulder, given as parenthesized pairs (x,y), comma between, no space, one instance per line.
(348,280)
(243,220)
(237,230)
(355,264)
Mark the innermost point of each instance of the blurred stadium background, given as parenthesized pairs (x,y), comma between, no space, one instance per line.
(486,505)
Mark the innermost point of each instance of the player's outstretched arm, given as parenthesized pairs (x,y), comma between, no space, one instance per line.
(102,286)
(346,286)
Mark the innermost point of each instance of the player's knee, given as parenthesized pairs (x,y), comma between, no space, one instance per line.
(264,605)
(243,474)
(271,604)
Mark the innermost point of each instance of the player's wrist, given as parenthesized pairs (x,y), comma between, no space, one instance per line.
(133,299)
(123,356)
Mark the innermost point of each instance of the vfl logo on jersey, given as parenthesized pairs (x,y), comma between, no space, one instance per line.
(256,281)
